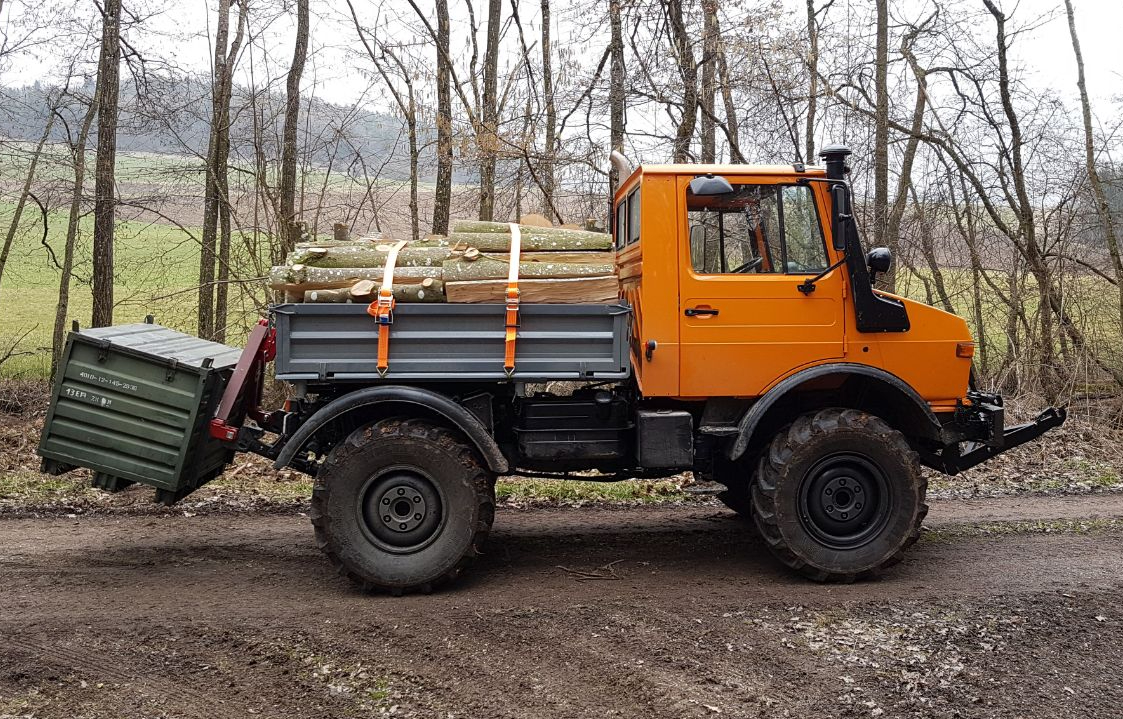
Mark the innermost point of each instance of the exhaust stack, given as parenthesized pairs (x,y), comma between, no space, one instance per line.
(621,164)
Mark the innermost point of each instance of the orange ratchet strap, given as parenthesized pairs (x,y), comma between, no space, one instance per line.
(382,309)
(512,302)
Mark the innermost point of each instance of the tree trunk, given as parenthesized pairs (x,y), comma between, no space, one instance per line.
(709,62)
(442,193)
(104,169)
(688,71)
(813,82)
(208,246)
(881,126)
(904,180)
(428,290)
(287,224)
(222,179)
(1102,208)
(78,151)
(546,179)
(300,278)
(489,134)
(732,133)
(564,291)
(10,237)
(460,270)
(368,256)
(616,97)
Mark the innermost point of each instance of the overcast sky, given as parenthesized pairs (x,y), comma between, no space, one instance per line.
(1045,53)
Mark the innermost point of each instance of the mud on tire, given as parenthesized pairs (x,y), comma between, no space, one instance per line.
(838,495)
(402,505)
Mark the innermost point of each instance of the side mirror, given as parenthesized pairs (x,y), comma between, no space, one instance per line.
(709,185)
(840,198)
(879,260)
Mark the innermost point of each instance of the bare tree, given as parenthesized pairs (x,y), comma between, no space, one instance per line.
(216,203)
(709,81)
(688,72)
(616,97)
(105,198)
(1102,209)
(442,194)
(66,273)
(813,79)
(549,157)
(25,191)
(489,145)
(290,230)
(881,125)
(406,102)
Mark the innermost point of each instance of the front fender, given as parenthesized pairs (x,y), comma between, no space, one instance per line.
(906,402)
(424,400)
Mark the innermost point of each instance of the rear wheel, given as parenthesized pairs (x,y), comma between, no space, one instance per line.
(839,495)
(402,505)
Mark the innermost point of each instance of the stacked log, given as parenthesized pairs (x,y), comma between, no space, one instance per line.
(470,264)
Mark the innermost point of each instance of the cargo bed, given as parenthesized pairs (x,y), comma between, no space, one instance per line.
(452,342)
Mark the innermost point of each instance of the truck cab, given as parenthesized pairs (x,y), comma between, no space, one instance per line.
(736,289)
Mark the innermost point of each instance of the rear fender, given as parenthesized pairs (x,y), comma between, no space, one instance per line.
(402,400)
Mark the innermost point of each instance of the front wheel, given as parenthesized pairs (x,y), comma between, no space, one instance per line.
(402,505)
(839,495)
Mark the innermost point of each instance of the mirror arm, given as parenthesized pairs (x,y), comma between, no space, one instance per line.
(808,285)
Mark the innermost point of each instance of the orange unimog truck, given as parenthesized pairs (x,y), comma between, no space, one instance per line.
(748,346)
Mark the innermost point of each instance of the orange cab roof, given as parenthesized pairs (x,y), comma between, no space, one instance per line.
(693,169)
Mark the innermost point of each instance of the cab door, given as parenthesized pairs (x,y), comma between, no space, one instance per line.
(744,323)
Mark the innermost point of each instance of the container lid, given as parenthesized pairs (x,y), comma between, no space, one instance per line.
(152,339)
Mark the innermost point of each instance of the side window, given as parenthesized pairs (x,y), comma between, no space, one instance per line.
(633,216)
(803,234)
(756,229)
(621,224)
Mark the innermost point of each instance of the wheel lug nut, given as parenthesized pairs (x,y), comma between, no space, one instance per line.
(858,505)
(417,500)
(857,488)
(844,515)
(830,509)
(402,525)
(401,491)
(830,491)
(386,518)
(386,500)
(417,516)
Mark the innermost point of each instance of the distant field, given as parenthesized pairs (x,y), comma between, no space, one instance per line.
(154,263)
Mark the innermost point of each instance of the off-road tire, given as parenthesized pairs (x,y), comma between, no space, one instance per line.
(458,486)
(816,452)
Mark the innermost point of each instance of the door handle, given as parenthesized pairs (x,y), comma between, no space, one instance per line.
(699,311)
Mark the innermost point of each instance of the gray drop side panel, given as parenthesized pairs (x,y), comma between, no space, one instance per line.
(452,342)
(133,401)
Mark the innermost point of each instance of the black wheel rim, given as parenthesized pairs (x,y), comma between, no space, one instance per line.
(844,501)
(401,510)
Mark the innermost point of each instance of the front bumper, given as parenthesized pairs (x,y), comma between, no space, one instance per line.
(978,433)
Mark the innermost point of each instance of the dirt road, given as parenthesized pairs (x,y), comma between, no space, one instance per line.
(239,615)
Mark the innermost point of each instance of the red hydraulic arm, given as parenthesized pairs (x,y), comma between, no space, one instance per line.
(242,396)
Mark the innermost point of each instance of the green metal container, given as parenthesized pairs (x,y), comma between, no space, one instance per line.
(132,403)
